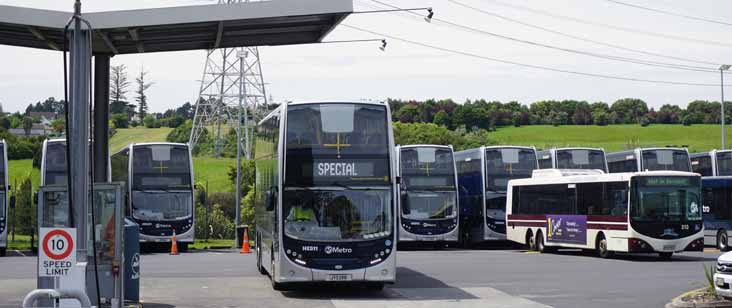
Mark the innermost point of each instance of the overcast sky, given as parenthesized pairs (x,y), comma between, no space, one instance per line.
(362,71)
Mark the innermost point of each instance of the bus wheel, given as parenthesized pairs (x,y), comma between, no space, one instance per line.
(183,247)
(540,243)
(665,255)
(601,247)
(530,241)
(3,251)
(722,240)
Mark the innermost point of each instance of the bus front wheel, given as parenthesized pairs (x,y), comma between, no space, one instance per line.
(540,245)
(722,240)
(258,248)
(3,251)
(601,247)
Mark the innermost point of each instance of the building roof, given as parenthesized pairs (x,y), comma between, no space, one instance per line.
(275,22)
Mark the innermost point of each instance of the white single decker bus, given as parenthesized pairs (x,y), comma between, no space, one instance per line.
(642,212)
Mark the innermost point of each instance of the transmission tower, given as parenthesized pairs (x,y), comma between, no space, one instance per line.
(230,75)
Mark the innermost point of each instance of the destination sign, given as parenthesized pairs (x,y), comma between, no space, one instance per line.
(667,181)
(343,169)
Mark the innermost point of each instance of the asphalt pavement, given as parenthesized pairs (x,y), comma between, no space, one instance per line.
(454,278)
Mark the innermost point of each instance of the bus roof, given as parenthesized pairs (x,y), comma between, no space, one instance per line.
(279,108)
(483,148)
(159,143)
(571,148)
(708,153)
(424,146)
(554,173)
(607,177)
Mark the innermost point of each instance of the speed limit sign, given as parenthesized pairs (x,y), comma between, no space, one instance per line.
(56,254)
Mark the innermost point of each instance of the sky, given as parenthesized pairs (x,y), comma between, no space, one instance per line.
(357,71)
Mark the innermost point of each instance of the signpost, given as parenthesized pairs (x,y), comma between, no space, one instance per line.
(56,255)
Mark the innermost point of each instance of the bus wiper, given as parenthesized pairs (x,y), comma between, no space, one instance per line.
(344,186)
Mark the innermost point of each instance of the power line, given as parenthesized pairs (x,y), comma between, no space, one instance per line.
(579,37)
(575,51)
(540,67)
(670,13)
(609,26)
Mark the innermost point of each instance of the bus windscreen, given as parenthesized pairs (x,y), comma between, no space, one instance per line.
(580,159)
(666,159)
(55,164)
(506,164)
(724,163)
(666,199)
(161,182)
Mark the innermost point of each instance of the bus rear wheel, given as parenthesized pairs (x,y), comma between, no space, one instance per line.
(722,240)
(530,241)
(601,247)
(3,252)
(540,246)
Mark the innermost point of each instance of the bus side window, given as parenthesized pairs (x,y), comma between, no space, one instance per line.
(616,195)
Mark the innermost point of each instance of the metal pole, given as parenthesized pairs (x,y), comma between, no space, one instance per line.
(237,219)
(721,79)
(206,225)
(78,139)
(101,117)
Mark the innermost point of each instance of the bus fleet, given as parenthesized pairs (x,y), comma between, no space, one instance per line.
(334,196)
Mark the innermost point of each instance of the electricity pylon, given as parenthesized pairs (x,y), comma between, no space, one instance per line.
(229,75)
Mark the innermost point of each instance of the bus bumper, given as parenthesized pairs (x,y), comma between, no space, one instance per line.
(290,272)
(490,235)
(406,236)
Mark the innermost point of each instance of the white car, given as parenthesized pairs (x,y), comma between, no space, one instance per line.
(723,276)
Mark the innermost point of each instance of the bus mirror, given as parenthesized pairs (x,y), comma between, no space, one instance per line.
(12,202)
(271,200)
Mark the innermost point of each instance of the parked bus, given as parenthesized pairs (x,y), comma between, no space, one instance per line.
(649,159)
(428,194)
(716,170)
(572,158)
(326,195)
(3,198)
(641,212)
(159,190)
(483,175)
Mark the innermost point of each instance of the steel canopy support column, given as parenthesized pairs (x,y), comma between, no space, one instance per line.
(101,117)
(78,138)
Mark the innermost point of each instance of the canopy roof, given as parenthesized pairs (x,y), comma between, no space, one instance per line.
(275,22)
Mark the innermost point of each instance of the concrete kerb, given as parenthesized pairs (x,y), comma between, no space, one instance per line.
(677,302)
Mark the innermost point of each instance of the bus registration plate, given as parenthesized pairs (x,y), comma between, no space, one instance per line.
(669,247)
(339,277)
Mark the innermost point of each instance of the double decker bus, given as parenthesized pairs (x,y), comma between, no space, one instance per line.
(642,212)
(3,198)
(326,195)
(572,158)
(715,168)
(649,159)
(483,175)
(428,194)
(160,190)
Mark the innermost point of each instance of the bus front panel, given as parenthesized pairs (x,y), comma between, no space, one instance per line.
(503,165)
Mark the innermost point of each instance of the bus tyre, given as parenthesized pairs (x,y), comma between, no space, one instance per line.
(183,247)
(258,248)
(530,241)
(722,240)
(540,243)
(665,255)
(601,247)
(3,251)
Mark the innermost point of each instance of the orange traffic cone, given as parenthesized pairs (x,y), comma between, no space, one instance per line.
(174,244)
(245,242)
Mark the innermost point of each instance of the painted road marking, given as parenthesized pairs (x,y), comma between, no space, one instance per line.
(483,297)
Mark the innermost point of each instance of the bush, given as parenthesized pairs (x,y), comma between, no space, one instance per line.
(119,120)
(219,226)
(686,120)
(644,121)
(26,211)
(149,121)
(181,133)
(600,118)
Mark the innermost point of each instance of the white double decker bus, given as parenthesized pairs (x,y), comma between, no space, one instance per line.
(326,195)
(643,212)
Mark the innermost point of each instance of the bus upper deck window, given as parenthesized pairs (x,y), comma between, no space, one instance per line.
(426,155)
(160,152)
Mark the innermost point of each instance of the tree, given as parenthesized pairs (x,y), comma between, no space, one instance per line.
(120,120)
(27,125)
(582,114)
(118,84)
(442,119)
(59,125)
(141,98)
(150,122)
(5,123)
(600,118)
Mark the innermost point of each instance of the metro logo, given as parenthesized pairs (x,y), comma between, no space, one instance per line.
(337,169)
